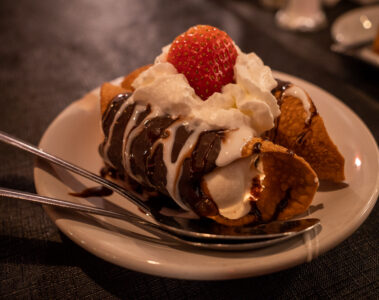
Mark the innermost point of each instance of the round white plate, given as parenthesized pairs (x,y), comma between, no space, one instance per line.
(75,135)
(358,26)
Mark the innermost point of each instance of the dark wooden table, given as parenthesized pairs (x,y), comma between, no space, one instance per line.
(53,52)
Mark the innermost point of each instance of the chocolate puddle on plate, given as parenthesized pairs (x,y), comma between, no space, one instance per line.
(96,191)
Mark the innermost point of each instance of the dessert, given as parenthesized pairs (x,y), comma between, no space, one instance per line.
(207,126)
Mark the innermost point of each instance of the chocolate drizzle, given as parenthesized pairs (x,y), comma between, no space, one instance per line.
(282,204)
(156,170)
(201,162)
(255,211)
(280,89)
(181,136)
(115,147)
(97,191)
(112,110)
(301,138)
(108,119)
(141,145)
(257,148)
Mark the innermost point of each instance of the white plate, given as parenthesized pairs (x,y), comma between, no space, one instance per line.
(356,26)
(75,135)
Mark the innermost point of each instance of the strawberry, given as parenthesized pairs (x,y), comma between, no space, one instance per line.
(206,56)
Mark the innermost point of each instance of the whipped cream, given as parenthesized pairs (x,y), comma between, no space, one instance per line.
(247,102)
(230,186)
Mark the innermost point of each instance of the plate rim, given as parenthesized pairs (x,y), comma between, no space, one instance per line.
(244,272)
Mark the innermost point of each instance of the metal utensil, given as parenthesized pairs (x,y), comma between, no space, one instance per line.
(191,228)
(225,245)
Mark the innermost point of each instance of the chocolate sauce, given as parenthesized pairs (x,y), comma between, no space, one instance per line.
(97,191)
(156,170)
(257,148)
(181,136)
(301,138)
(280,89)
(108,118)
(201,162)
(111,111)
(206,151)
(141,145)
(255,211)
(116,143)
(282,204)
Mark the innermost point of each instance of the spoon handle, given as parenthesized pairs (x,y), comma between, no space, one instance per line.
(169,238)
(126,216)
(8,139)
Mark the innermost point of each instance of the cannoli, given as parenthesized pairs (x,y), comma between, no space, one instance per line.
(198,127)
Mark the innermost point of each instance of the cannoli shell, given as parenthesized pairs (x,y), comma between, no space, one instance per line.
(308,139)
(289,184)
(109,91)
(128,79)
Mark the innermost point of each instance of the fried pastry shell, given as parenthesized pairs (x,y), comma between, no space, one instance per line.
(307,137)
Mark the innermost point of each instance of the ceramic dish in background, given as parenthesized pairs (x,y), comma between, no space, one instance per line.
(75,135)
(356,27)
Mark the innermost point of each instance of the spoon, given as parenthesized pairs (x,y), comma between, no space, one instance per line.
(225,245)
(184,227)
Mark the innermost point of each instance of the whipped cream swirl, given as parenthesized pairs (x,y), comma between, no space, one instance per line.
(246,103)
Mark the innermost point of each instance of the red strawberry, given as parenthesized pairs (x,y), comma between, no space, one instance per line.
(206,56)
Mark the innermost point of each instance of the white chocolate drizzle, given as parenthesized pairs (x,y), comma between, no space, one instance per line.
(111,128)
(299,93)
